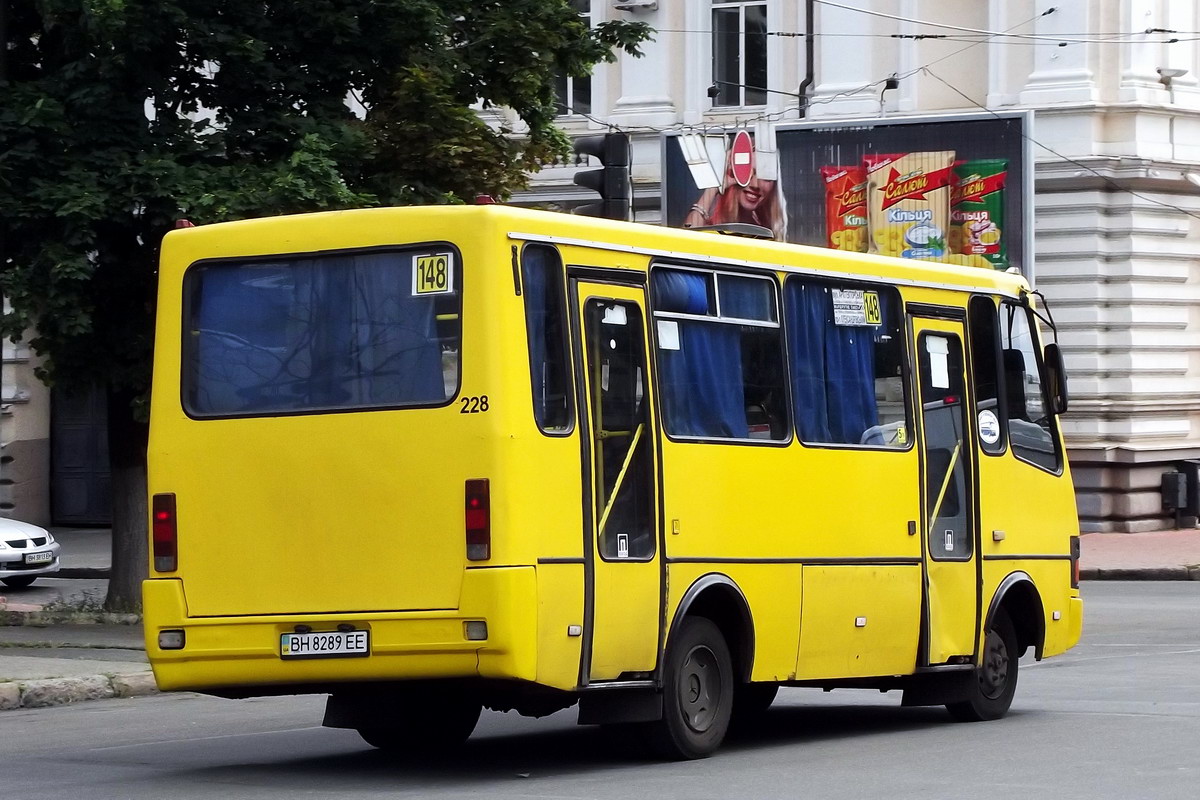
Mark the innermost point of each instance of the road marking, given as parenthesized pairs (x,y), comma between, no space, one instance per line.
(186,739)
(1065,662)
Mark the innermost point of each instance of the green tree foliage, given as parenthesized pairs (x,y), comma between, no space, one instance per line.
(119,117)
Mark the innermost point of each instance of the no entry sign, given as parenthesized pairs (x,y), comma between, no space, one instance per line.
(741,157)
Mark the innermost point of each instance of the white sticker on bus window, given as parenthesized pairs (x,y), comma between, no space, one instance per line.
(668,334)
(989,426)
(615,315)
(622,545)
(433,273)
(949,541)
(938,349)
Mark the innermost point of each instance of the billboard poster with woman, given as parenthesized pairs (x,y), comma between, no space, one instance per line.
(738,193)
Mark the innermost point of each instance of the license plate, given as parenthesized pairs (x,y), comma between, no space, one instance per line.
(324,644)
(39,558)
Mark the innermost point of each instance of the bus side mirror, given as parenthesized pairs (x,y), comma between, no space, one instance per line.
(1056,377)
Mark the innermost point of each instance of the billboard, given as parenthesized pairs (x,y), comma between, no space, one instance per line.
(953,188)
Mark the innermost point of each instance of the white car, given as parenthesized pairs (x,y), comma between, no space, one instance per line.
(26,551)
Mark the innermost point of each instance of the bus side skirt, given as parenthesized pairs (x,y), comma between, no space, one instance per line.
(620,705)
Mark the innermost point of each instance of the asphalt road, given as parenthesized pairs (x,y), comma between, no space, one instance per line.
(1117,717)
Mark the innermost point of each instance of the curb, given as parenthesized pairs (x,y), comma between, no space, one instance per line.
(1181,573)
(45,692)
(81,572)
(41,617)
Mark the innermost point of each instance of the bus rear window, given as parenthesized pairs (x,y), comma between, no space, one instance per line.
(322,333)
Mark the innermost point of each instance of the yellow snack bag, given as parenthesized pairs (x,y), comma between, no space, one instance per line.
(846,207)
(908,203)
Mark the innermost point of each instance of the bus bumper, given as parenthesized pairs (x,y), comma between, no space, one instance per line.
(227,653)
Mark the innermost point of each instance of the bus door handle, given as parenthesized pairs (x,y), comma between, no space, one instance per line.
(912,527)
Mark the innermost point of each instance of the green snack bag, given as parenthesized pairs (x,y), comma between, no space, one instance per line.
(977,212)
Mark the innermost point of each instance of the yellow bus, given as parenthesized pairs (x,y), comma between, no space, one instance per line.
(430,460)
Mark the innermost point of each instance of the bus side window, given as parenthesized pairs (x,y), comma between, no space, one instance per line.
(846,354)
(1029,420)
(545,324)
(720,355)
(985,375)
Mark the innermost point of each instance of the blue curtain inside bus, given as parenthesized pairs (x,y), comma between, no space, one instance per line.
(320,333)
(701,382)
(832,366)
(533,285)
(680,292)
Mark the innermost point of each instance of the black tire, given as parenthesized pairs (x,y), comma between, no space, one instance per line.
(991,693)
(426,727)
(19,581)
(697,692)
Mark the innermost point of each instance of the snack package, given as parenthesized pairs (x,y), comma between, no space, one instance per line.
(908,203)
(846,207)
(977,210)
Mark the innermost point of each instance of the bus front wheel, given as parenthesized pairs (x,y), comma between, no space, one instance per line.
(697,692)
(990,695)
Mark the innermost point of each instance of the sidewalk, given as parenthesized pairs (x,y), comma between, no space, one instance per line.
(1156,556)
(53,651)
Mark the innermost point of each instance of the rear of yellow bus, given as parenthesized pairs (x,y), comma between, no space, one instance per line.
(323,449)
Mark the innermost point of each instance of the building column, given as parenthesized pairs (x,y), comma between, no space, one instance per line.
(644,97)
(1063,74)
(842,70)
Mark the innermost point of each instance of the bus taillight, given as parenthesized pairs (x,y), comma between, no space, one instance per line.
(479,520)
(165,533)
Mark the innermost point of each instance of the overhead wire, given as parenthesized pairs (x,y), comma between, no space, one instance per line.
(981,31)
(986,36)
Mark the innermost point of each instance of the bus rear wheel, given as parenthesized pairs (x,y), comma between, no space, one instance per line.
(991,694)
(697,692)
(425,727)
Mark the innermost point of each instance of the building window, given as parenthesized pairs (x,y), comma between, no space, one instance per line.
(574,95)
(739,53)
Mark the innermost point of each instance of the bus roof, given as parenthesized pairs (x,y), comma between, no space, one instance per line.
(298,232)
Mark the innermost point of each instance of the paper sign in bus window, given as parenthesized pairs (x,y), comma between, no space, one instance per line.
(433,274)
(668,334)
(939,361)
(855,307)
(615,315)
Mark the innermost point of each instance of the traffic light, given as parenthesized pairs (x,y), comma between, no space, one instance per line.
(612,181)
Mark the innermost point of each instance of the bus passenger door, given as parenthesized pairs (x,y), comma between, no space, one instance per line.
(620,478)
(947,459)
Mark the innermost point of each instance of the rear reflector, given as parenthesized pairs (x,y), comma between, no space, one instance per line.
(164,533)
(478,520)
(171,640)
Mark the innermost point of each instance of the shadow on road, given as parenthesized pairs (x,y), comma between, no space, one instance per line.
(561,751)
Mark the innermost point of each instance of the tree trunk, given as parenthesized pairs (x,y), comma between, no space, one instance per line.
(127,440)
